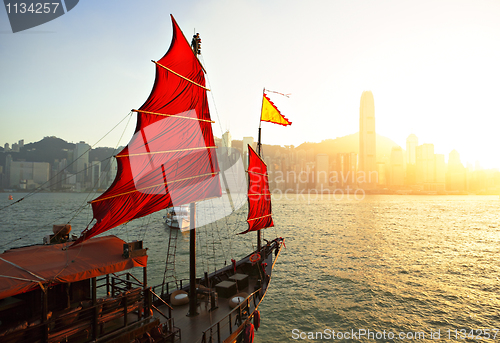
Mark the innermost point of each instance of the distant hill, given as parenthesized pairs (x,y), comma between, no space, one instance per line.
(102,154)
(46,150)
(52,148)
(350,143)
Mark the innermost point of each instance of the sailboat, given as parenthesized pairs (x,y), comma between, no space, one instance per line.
(84,289)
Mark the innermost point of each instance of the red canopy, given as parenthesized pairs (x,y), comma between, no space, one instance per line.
(49,264)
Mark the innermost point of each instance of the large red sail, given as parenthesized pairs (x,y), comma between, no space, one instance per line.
(259,197)
(171,158)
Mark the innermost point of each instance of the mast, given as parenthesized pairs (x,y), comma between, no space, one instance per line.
(196,47)
(192,261)
(259,152)
(259,236)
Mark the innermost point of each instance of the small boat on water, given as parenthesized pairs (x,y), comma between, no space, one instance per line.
(11,197)
(177,217)
(87,289)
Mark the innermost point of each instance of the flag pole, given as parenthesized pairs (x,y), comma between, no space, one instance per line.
(259,152)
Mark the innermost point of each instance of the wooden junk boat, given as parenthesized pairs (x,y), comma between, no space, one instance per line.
(84,289)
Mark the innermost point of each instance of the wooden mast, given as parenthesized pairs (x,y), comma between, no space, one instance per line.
(192,261)
(195,46)
(259,152)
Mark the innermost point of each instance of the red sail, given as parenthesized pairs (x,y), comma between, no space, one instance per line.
(259,197)
(171,158)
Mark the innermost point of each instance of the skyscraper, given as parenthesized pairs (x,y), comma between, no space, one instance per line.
(367,151)
(425,164)
(411,145)
(322,172)
(81,155)
(226,139)
(396,174)
(246,141)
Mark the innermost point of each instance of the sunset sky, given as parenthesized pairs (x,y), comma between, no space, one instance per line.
(433,68)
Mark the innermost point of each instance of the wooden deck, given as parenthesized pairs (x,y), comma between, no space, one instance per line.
(192,328)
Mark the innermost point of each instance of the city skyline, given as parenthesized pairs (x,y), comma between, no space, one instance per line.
(348,166)
(432,68)
(477,164)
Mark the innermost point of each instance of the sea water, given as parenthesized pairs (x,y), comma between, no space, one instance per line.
(380,268)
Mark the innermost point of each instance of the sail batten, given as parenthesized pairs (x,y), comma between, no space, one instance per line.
(167,151)
(259,197)
(267,215)
(177,116)
(170,160)
(153,186)
(183,77)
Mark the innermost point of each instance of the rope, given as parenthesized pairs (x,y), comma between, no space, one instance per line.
(40,188)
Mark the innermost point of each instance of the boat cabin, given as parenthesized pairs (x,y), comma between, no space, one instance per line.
(51,293)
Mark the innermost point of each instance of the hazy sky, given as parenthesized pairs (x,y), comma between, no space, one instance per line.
(433,68)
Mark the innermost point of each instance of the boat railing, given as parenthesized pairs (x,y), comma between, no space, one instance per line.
(228,325)
(170,320)
(168,287)
(84,322)
(118,283)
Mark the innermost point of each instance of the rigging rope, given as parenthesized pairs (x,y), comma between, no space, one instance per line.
(41,187)
(84,204)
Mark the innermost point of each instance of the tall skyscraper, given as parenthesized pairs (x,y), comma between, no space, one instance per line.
(322,181)
(226,139)
(246,141)
(81,155)
(367,148)
(346,169)
(411,145)
(396,174)
(227,142)
(425,164)
(456,178)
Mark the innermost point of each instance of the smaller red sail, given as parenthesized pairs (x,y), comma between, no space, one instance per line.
(259,197)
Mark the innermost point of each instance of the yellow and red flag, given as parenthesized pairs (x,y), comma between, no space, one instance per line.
(271,113)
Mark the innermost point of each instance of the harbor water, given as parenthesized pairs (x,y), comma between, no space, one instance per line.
(381,268)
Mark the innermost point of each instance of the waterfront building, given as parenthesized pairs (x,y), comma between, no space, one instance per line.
(345,168)
(226,139)
(246,142)
(81,156)
(456,175)
(411,145)
(27,175)
(322,172)
(396,167)
(425,164)
(367,148)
